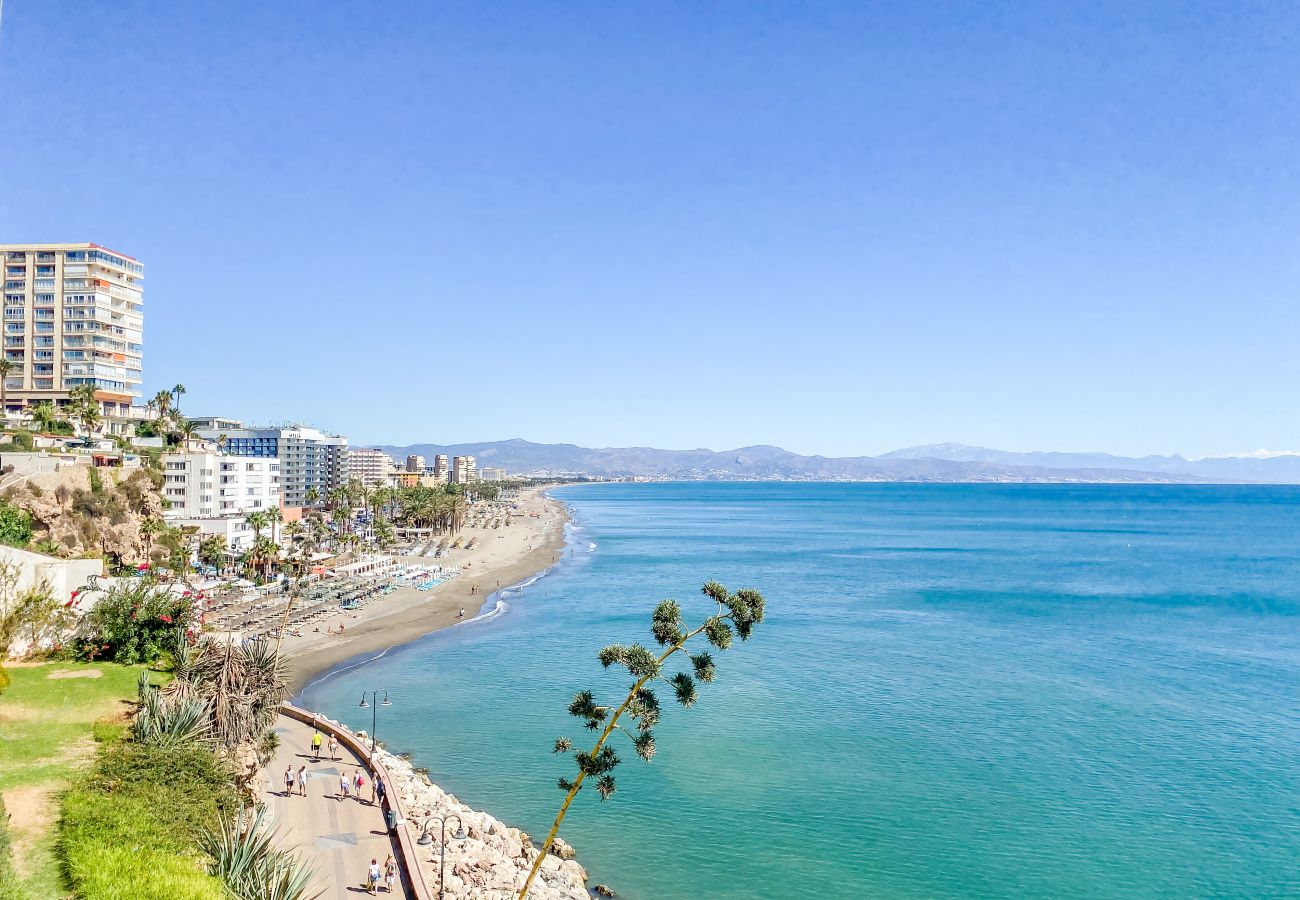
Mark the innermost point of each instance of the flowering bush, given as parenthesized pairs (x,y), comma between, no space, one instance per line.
(134,623)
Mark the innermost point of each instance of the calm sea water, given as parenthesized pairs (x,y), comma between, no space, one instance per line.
(961,691)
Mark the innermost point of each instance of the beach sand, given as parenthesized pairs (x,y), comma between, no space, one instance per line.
(504,557)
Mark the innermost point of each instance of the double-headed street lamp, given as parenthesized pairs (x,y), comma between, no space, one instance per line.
(426,839)
(374,711)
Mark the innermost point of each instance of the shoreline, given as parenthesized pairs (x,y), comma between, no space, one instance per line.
(408,614)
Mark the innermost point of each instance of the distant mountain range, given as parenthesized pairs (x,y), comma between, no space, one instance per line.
(937,462)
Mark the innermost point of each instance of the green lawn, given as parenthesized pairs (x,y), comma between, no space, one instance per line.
(48,719)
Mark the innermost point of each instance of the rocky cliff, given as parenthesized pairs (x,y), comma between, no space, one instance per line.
(90,511)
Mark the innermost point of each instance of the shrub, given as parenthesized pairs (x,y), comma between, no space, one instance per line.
(15,525)
(133,623)
(131,827)
(22,440)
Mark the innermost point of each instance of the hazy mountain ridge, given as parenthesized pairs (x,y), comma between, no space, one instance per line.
(940,463)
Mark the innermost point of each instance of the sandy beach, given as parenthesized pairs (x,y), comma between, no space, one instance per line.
(503,557)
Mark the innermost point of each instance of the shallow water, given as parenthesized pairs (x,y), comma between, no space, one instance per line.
(961,690)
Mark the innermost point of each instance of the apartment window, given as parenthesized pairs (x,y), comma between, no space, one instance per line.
(75,255)
(19,271)
(14,327)
(45,270)
(44,299)
(15,312)
(15,285)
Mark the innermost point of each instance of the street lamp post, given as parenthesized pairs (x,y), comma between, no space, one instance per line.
(374,711)
(425,840)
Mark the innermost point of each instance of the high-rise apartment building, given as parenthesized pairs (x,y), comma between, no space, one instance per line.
(73,314)
(370,466)
(463,469)
(202,485)
(415,463)
(310,460)
(441,470)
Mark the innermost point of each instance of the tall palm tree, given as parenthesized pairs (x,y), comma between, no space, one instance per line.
(177,391)
(456,507)
(162,403)
(6,369)
(212,550)
(257,521)
(274,516)
(150,528)
(188,432)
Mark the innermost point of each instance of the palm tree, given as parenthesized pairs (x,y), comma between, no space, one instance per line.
(257,521)
(274,516)
(149,529)
(456,507)
(44,416)
(212,550)
(188,432)
(84,407)
(312,496)
(162,403)
(6,369)
(177,391)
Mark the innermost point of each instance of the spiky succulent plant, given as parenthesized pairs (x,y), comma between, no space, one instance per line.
(736,614)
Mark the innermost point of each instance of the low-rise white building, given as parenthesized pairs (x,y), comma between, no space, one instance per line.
(215,493)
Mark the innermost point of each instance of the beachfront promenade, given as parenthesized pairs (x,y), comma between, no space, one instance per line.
(339,837)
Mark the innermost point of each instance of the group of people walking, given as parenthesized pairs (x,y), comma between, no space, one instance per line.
(295,782)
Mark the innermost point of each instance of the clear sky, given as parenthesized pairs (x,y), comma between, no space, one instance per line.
(840,228)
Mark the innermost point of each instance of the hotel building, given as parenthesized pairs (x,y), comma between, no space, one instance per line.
(215,493)
(73,314)
(415,463)
(310,460)
(441,469)
(369,466)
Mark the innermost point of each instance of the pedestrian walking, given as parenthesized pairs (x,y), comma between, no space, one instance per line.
(288,780)
(381,790)
(390,873)
(315,745)
(344,785)
(302,780)
(358,782)
(372,877)
(334,747)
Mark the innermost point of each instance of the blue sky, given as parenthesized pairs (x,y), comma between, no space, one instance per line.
(840,228)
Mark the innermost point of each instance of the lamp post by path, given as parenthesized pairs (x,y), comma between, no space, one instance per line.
(374,711)
(426,839)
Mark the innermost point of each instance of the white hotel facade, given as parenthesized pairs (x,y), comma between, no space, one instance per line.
(215,493)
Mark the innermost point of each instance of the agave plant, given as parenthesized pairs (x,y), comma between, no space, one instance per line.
(242,686)
(169,722)
(245,857)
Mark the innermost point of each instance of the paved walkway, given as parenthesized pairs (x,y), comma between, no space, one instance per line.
(340,837)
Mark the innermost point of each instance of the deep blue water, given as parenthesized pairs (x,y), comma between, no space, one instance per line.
(960,691)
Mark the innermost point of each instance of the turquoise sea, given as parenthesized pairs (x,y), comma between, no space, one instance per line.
(961,691)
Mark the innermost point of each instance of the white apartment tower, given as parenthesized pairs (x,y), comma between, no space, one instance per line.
(463,470)
(370,466)
(441,469)
(73,314)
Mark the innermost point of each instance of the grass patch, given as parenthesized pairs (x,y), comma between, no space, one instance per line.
(130,826)
(48,726)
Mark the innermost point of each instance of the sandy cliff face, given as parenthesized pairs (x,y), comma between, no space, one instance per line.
(91,512)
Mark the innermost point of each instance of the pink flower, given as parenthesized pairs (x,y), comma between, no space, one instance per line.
(166,618)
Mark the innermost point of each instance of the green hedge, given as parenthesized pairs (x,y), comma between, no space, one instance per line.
(130,826)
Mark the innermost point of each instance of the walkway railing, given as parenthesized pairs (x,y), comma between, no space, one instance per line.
(412,876)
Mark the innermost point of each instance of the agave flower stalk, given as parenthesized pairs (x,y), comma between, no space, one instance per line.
(737,613)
